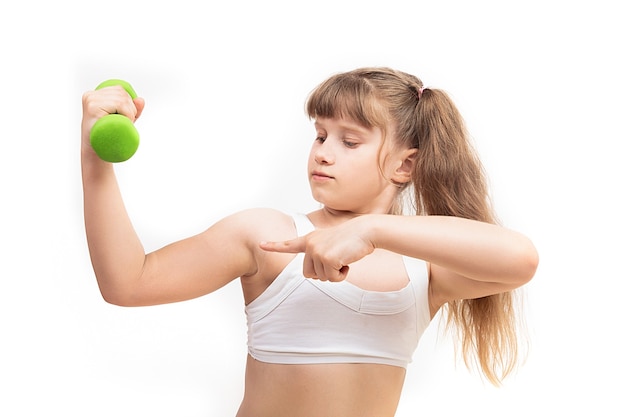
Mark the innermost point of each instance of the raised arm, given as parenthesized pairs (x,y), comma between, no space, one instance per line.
(125,274)
(469,259)
(476,250)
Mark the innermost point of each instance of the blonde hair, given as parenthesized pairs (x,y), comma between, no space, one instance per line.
(448,180)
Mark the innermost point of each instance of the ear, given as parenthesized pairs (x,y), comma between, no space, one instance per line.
(405,163)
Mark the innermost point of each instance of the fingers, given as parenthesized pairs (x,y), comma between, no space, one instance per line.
(288,246)
(324,271)
(314,266)
(119,98)
(139,103)
(110,100)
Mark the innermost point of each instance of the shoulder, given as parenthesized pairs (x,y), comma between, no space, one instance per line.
(262,224)
(263,216)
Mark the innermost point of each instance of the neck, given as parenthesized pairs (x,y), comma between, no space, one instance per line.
(329,217)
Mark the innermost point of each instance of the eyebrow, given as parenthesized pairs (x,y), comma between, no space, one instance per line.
(347,126)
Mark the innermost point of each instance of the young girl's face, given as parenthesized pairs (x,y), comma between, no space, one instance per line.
(345,166)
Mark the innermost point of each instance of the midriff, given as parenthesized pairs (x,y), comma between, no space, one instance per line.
(329,390)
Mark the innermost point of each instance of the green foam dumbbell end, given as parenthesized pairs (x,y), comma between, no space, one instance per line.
(114,137)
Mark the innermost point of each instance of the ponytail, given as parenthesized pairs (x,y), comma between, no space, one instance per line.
(449,180)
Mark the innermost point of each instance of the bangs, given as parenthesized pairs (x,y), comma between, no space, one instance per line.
(346,96)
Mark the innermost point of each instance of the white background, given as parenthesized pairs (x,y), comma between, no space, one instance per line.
(540,83)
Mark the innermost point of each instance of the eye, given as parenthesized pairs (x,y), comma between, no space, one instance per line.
(349,144)
(320,139)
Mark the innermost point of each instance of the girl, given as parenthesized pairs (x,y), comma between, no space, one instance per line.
(337,299)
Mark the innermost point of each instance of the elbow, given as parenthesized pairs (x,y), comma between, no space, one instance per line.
(528,262)
(118,296)
(115,298)
(124,288)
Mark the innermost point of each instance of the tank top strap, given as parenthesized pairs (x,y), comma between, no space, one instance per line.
(302,223)
(417,270)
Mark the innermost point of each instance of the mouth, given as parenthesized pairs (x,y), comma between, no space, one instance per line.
(320,176)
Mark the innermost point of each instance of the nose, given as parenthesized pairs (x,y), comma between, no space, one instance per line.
(322,153)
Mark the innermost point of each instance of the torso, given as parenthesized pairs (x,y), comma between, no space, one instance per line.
(329,390)
(342,390)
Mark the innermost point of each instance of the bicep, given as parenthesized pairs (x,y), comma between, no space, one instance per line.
(447,285)
(195,266)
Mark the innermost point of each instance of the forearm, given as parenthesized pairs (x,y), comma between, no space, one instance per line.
(117,254)
(476,250)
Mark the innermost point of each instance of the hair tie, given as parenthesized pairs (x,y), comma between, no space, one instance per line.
(420,92)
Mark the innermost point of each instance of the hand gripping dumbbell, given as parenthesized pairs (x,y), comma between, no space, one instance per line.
(114,137)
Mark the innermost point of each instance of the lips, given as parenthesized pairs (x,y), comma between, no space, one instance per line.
(320,176)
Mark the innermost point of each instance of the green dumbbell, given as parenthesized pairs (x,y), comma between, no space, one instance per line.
(114,137)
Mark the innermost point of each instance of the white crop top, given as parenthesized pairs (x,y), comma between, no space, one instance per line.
(298,320)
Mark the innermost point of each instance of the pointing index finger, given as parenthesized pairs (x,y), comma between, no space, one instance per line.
(287,246)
